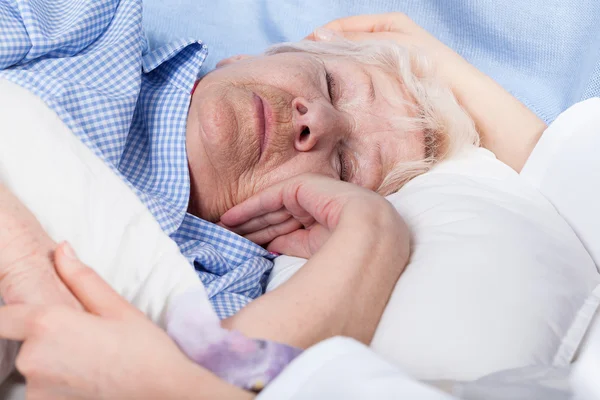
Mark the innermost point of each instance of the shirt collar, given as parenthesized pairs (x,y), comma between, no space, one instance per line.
(179,62)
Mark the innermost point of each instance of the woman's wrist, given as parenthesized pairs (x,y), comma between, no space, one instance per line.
(343,288)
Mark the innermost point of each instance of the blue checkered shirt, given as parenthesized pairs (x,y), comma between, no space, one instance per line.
(89,61)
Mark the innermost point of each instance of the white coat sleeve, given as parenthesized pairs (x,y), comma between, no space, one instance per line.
(565,167)
(342,368)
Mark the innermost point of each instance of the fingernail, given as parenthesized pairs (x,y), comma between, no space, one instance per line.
(323,34)
(68,251)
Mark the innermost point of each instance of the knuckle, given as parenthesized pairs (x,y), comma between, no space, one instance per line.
(399,20)
(263,220)
(24,250)
(271,232)
(44,321)
(400,15)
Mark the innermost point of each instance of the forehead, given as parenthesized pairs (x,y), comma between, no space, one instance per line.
(300,58)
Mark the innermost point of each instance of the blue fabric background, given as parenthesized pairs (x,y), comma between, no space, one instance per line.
(545,52)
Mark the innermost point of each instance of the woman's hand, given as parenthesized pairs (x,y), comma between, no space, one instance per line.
(505,125)
(358,246)
(112,351)
(295,216)
(316,203)
(27,273)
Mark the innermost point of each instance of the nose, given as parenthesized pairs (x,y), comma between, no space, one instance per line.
(314,124)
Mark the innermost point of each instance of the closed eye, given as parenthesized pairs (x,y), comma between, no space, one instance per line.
(331,85)
(344,167)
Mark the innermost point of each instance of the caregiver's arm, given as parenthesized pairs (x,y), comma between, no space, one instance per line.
(341,368)
(27,273)
(109,351)
(357,246)
(505,125)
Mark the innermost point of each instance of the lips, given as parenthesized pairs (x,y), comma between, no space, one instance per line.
(263,120)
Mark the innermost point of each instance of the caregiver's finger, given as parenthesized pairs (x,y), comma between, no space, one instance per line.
(397,37)
(41,393)
(271,232)
(393,36)
(370,23)
(16,321)
(89,288)
(260,222)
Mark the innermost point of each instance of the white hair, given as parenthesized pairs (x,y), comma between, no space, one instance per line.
(441,123)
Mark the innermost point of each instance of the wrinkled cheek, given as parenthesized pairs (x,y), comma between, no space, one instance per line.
(219,126)
(293,168)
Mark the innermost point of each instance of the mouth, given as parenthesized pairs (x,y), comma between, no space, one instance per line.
(263,120)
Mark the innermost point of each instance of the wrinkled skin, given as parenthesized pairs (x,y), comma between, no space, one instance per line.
(341,129)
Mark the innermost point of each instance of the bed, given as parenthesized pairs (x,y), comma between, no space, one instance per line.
(504,271)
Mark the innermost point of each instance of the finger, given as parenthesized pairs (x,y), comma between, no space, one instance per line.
(391,36)
(271,232)
(295,244)
(35,393)
(253,207)
(261,222)
(306,196)
(370,23)
(268,201)
(15,321)
(323,35)
(400,38)
(89,288)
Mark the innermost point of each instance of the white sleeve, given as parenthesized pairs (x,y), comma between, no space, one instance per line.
(342,368)
(565,167)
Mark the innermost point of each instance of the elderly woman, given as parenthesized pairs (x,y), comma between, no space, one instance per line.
(368,114)
(365,113)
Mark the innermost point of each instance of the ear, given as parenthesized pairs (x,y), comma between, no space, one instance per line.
(232,60)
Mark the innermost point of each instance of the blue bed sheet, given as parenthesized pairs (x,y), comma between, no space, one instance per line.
(545,52)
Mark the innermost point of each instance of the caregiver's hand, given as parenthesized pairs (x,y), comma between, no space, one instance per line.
(358,246)
(506,126)
(400,28)
(112,351)
(27,273)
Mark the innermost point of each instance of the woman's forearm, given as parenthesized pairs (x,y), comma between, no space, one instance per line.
(342,289)
(506,127)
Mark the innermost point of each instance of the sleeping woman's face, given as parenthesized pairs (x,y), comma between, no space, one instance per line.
(254,122)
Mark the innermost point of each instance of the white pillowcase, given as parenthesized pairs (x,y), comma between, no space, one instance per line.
(497,279)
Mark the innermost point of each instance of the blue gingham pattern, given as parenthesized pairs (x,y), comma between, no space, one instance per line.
(89,61)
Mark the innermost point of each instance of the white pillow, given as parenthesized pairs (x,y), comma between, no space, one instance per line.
(496,280)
